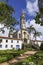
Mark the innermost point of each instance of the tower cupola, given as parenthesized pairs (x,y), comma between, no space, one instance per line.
(22,14)
(22,20)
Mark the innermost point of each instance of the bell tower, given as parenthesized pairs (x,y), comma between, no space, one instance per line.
(23,25)
(22,21)
(24,32)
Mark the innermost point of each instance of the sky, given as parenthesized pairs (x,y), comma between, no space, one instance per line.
(30,8)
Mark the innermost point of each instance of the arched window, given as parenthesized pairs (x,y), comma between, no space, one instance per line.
(6,46)
(11,46)
(0,40)
(0,46)
(6,41)
(11,41)
(19,35)
(24,33)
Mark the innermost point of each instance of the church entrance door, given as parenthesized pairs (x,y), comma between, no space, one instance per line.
(25,40)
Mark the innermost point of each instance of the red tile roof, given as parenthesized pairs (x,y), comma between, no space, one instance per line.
(9,38)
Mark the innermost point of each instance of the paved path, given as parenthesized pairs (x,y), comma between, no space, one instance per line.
(18,59)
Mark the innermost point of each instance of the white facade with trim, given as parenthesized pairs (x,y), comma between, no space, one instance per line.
(10,44)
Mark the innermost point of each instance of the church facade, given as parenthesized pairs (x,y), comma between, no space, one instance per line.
(16,39)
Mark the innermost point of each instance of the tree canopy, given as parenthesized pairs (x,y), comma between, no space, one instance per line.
(39,16)
(6,16)
(36,34)
(6,12)
(31,28)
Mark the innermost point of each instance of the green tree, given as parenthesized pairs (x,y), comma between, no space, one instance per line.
(40,5)
(39,16)
(41,46)
(30,29)
(36,34)
(6,17)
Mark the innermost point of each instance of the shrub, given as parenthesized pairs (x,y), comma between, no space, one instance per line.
(41,46)
(0,40)
(6,55)
(3,59)
(23,46)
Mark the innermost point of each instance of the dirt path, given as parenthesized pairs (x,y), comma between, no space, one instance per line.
(18,59)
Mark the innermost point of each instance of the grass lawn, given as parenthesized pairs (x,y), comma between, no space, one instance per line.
(40,53)
(36,59)
(6,55)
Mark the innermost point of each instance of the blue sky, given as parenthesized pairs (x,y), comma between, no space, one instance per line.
(20,5)
(30,8)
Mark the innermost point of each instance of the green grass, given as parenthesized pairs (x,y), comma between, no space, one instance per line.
(26,61)
(37,60)
(6,55)
(40,53)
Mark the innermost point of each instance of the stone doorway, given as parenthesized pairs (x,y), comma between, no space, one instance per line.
(25,40)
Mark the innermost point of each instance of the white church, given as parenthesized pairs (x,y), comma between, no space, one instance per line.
(16,39)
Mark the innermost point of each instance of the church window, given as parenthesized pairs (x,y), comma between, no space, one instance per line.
(0,46)
(11,41)
(15,36)
(0,40)
(17,41)
(6,40)
(19,35)
(24,32)
(6,46)
(17,46)
(11,46)
(25,40)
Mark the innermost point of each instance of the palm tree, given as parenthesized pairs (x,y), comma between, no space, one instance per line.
(36,34)
(31,29)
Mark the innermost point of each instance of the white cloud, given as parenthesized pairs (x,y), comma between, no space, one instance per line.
(5,29)
(5,33)
(27,23)
(1,25)
(32,7)
(37,26)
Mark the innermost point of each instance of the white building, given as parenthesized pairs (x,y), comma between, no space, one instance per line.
(10,43)
(16,39)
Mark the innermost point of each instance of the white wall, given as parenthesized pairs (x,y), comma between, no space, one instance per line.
(4,43)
